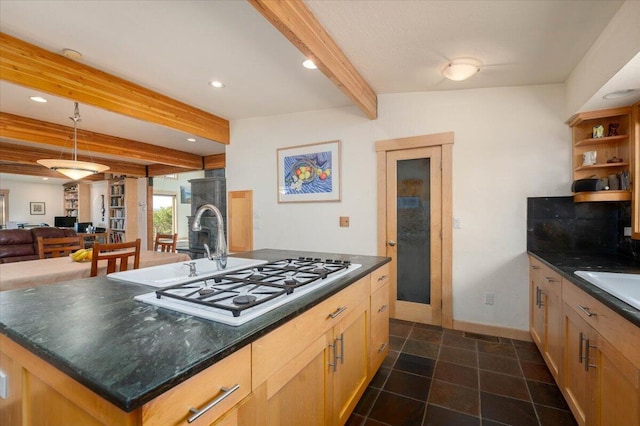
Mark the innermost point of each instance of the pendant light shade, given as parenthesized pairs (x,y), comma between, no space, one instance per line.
(74,169)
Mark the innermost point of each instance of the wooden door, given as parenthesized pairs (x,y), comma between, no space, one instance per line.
(351,372)
(240,221)
(635,168)
(577,383)
(413,233)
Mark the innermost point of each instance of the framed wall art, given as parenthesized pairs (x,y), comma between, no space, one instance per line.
(36,208)
(308,173)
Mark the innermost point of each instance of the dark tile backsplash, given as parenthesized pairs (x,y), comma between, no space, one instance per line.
(558,224)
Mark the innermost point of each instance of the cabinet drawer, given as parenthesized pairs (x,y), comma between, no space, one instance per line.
(379,328)
(277,348)
(173,407)
(622,334)
(379,277)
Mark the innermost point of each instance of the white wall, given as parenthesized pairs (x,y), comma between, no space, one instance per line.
(99,189)
(510,144)
(22,193)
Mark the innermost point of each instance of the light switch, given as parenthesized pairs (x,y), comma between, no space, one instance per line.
(3,385)
(457,223)
(344,221)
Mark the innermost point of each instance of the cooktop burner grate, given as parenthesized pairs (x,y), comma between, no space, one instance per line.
(247,288)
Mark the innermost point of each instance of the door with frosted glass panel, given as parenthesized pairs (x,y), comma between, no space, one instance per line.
(413,198)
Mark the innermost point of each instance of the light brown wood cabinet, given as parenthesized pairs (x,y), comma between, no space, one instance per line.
(608,148)
(635,166)
(592,351)
(546,314)
(312,371)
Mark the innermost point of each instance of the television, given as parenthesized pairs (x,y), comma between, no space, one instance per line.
(64,221)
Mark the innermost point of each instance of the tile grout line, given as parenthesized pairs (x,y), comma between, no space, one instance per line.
(533,405)
(433,378)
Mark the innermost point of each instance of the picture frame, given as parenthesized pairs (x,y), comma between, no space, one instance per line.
(37,208)
(185,195)
(309,173)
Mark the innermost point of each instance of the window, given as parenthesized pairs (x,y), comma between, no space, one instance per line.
(164,214)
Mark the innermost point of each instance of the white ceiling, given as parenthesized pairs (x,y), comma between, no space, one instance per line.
(177,47)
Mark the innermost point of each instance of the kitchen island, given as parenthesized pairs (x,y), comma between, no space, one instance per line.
(128,355)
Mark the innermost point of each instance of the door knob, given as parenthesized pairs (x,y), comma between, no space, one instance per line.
(392,243)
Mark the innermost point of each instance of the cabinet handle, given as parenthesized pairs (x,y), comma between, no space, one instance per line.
(382,347)
(382,277)
(335,355)
(337,312)
(535,267)
(225,393)
(580,357)
(537,296)
(341,357)
(587,311)
(550,280)
(587,346)
(382,308)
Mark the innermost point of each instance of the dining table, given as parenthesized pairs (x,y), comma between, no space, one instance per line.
(34,273)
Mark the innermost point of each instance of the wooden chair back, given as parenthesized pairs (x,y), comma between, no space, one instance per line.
(56,247)
(117,256)
(165,242)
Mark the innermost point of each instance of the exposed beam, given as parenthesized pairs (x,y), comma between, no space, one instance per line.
(30,130)
(298,24)
(28,155)
(30,170)
(217,161)
(27,65)
(154,170)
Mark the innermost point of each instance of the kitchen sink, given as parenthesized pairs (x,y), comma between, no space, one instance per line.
(178,273)
(625,287)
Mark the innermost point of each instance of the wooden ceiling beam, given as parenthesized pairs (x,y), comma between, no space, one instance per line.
(155,170)
(28,155)
(298,24)
(217,161)
(27,129)
(31,170)
(28,65)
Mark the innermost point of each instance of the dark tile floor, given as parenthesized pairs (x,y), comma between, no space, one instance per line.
(445,377)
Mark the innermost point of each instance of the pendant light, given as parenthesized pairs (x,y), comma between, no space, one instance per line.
(74,169)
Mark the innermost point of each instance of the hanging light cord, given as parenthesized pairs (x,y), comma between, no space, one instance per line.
(75,119)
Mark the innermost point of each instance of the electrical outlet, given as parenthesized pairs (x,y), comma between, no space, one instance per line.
(3,385)
(627,231)
(344,221)
(488,298)
(457,223)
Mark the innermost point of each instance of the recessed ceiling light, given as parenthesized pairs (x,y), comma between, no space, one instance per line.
(45,178)
(38,99)
(620,94)
(308,64)
(72,54)
(217,84)
(191,139)
(461,68)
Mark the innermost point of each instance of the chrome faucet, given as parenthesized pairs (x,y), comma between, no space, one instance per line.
(220,254)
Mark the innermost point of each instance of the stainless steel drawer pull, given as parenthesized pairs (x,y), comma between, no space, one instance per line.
(382,308)
(581,339)
(382,278)
(587,346)
(335,355)
(337,312)
(341,357)
(382,347)
(535,267)
(587,311)
(550,280)
(225,393)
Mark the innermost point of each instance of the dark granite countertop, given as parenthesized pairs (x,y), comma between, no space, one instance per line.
(129,352)
(567,263)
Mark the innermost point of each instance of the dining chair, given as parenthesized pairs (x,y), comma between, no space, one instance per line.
(56,247)
(113,253)
(165,242)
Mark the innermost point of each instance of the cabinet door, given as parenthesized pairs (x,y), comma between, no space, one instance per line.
(577,383)
(296,394)
(379,328)
(617,389)
(553,332)
(537,307)
(351,366)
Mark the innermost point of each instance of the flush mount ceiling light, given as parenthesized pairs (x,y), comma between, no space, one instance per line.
(461,68)
(216,84)
(74,169)
(38,99)
(72,54)
(309,64)
(191,139)
(620,94)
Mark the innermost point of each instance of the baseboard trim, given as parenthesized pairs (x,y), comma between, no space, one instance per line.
(492,330)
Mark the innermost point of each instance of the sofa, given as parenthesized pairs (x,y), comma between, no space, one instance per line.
(17,245)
